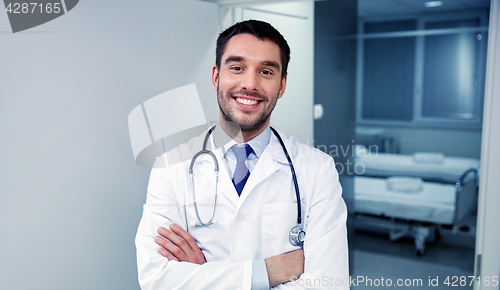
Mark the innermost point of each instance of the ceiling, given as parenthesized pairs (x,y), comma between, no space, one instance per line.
(405,7)
(245,2)
(384,7)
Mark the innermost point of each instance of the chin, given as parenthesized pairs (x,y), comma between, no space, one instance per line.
(250,126)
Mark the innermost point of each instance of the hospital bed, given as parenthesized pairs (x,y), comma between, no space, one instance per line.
(415,195)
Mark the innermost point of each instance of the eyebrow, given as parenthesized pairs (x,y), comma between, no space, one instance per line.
(270,63)
(233,58)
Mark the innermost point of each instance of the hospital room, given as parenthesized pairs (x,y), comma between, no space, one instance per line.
(400,93)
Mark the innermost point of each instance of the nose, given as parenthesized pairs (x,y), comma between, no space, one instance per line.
(250,81)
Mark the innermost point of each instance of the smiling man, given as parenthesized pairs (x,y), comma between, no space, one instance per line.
(256,237)
(249,82)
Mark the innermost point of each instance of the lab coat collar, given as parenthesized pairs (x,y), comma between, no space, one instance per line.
(277,152)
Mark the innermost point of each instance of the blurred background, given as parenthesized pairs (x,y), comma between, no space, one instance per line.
(395,90)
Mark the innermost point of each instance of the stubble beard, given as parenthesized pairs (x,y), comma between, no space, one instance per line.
(230,118)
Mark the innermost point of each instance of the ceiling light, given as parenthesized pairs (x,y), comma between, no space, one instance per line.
(433,4)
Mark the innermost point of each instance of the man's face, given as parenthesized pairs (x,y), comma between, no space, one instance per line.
(249,81)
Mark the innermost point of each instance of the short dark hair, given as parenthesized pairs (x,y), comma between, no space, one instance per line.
(260,29)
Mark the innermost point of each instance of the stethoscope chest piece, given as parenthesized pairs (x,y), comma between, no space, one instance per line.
(297,236)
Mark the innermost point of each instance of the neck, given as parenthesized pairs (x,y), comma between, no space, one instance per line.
(239,135)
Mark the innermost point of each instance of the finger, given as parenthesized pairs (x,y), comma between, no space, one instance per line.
(176,240)
(186,236)
(172,248)
(167,254)
(195,254)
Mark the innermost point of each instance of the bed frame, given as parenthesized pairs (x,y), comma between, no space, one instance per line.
(421,230)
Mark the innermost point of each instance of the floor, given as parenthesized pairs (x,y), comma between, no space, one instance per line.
(375,259)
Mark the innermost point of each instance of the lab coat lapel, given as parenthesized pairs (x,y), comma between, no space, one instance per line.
(269,162)
(226,186)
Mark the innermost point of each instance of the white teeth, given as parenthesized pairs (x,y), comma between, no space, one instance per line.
(246,101)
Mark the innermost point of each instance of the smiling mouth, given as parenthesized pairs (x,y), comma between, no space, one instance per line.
(246,101)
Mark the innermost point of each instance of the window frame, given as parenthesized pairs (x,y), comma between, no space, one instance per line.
(418,119)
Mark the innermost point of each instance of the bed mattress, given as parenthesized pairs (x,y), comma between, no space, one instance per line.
(434,202)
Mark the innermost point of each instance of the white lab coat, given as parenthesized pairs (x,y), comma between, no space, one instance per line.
(250,227)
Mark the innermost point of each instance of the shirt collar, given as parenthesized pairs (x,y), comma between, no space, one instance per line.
(258,143)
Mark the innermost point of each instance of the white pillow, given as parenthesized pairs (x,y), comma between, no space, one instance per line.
(428,157)
(404,184)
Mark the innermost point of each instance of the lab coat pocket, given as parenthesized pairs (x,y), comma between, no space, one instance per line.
(277,221)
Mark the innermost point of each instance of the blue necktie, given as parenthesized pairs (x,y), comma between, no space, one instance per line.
(241,172)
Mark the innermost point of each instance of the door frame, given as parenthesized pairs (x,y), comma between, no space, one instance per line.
(487,261)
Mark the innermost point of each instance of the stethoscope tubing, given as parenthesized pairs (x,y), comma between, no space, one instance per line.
(191,174)
(216,167)
(294,176)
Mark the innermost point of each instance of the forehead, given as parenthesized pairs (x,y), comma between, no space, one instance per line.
(252,49)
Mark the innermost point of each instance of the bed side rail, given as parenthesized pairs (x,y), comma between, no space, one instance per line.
(461,180)
(465,195)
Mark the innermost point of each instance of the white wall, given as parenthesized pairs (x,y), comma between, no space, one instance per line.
(70,193)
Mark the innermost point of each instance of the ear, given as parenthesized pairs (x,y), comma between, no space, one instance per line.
(282,87)
(215,77)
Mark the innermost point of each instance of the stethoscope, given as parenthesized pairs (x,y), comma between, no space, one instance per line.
(296,235)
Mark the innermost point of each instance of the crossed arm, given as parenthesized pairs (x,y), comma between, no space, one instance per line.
(178,245)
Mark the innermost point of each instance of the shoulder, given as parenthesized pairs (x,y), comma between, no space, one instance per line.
(311,165)
(301,152)
(182,152)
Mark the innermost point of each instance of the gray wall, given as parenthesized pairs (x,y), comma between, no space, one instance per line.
(334,88)
(451,142)
(335,73)
(71,194)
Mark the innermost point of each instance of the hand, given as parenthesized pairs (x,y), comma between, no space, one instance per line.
(282,268)
(179,245)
